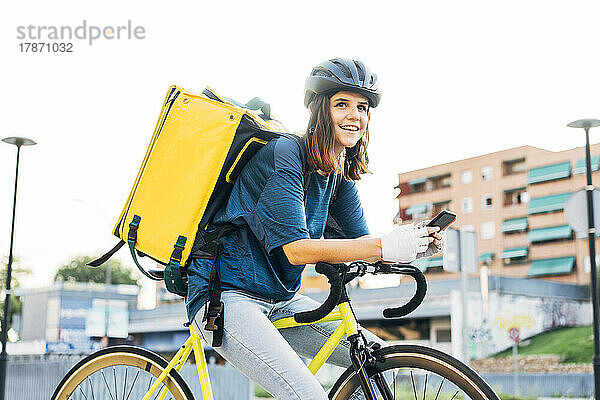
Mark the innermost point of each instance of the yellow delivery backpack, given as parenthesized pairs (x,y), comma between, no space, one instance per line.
(200,144)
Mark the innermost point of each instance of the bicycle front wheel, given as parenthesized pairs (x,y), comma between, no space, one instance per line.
(121,372)
(415,372)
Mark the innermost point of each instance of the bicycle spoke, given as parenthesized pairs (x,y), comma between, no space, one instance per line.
(82,393)
(395,378)
(125,382)
(158,391)
(452,398)
(382,386)
(92,387)
(425,386)
(133,384)
(106,383)
(115,382)
(412,378)
(439,389)
(134,372)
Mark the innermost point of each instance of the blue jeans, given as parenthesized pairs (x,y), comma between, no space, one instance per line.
(268,356)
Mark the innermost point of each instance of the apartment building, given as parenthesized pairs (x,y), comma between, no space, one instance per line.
(514,199)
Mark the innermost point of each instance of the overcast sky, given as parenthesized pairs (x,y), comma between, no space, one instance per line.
(460,79)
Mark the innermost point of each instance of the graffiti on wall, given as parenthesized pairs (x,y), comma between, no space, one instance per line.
(530,315)
(557,312)
(481,334)
(520,321)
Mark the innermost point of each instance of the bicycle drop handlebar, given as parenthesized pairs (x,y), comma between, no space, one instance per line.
(418,297)
(335,282)
(332,272)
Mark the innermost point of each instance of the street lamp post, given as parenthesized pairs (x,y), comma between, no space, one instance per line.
(587,124)
(17,141)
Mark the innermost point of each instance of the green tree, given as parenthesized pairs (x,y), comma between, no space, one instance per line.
(77,271)
(17,273)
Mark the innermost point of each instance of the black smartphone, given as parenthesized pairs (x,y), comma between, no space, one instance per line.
(443,219)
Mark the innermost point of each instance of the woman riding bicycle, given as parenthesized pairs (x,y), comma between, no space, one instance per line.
(281,202)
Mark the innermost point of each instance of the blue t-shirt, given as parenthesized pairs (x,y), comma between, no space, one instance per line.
(270,207)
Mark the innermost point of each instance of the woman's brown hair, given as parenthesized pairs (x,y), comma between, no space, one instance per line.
(319,141)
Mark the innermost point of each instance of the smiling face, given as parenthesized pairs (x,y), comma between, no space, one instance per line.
(350,116)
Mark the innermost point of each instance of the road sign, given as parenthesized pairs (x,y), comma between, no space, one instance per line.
(468,251)
(576,211)
(460,250)
(451,258)
(514,333)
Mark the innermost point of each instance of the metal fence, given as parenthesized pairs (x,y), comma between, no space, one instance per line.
(543,384)
(36,379)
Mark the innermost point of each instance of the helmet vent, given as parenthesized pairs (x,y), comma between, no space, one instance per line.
(361,72)
(344,68)
(321,72)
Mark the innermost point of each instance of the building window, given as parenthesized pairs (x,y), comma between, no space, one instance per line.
(580,167)
(443,336)
(439,182)
(486,202)
(550,234)
(466,176)
(546,204)
(488,230)
(514,225)
(514,197)
(467,228)
(552,266)
(516,260)
(417,187)
(486,173)
(515,255)
(549,173)
(416,212)
(438,207)
(512,167)
(467,205)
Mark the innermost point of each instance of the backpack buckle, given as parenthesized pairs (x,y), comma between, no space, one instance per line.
(214,323)
(214,317)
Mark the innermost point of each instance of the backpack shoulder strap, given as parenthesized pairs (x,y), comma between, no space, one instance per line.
(303,158)
(337,182)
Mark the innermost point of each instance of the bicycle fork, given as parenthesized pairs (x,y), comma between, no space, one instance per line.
(361,357)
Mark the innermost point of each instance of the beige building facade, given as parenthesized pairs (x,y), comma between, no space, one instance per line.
(514,199)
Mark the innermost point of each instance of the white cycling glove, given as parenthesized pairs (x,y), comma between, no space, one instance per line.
(404,243)
(432,248)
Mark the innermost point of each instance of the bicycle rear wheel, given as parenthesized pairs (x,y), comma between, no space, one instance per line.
(120,372)
(415,372)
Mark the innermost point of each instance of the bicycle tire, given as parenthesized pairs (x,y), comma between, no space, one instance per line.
(144,366)
(411,360)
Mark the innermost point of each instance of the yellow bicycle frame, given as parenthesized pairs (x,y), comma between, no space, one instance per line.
(348,327)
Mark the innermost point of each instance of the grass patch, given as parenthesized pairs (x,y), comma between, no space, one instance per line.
(575,345)
(262,393)
(504,396)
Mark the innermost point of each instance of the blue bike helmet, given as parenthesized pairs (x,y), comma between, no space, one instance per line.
(342,74)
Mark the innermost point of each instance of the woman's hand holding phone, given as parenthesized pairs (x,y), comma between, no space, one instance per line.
(437,244)
(404,243)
